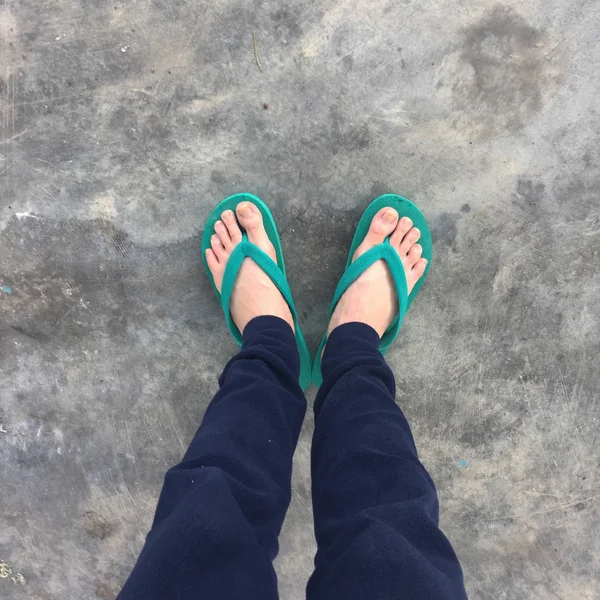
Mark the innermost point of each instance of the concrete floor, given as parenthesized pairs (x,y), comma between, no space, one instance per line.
(123,123)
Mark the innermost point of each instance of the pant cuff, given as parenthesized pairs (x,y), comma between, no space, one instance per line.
(350,337)
(272,338)
(352,348)
(347,340)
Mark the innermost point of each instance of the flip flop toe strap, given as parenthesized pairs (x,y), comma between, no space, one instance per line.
(246,249)
(384,252)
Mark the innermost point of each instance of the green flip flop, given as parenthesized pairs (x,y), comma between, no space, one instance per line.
(275,271)
(383,251)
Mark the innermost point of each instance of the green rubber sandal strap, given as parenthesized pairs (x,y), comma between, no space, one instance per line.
(362,263)
(353,272)
(266,263)
(274,270)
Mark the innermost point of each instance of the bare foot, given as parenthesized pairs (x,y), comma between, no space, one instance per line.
(372,298)
(254,294)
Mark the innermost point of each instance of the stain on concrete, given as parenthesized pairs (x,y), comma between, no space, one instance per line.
(288,22)
(530,194)
(107,590)
(503,74)
(443,228)
(347,139)
(96,525)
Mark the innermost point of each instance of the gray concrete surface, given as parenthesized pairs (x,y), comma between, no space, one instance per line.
(123,123)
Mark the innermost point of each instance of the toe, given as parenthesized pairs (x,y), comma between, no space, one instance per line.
(233,228)
(403,227)
(223,234)
(216,268)
(212,260)
(249,216)
(382,225)
(251,220)
(409,240)
(419,268)
(414,254)
(217,247)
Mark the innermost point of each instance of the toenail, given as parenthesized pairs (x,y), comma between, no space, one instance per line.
(405,222)
(227,214)
(244,209)
(389,216)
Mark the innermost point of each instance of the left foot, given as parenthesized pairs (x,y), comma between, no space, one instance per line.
(254,294)
(372,298)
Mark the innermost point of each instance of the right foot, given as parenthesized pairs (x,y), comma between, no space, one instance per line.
(254,294)
(372,298)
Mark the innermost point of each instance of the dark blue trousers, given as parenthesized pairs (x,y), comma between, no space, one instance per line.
(221,509)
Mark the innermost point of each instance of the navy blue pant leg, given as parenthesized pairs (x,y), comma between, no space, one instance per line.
(375,506)
(222,507)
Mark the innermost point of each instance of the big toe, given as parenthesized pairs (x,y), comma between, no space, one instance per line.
(382,225)
(250,219)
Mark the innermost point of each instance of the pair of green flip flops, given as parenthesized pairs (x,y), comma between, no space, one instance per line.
(310,371)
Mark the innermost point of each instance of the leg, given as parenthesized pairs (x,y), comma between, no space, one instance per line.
(375,506)
(221,509)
